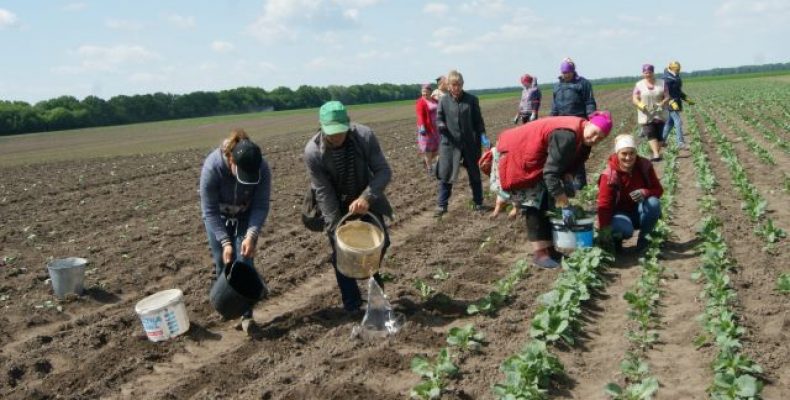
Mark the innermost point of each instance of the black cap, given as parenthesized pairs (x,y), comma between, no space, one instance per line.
(247,156)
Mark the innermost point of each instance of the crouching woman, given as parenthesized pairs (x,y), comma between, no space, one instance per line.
(628,193)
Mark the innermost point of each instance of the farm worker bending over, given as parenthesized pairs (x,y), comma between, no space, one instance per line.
(628,193)
(530,100)
(427,135)
(674,86)
(349,173)
(463,132)
(573,96)
(535,163)
(235,184)
(650,95)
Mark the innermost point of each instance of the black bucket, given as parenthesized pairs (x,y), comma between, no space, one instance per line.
(237,290)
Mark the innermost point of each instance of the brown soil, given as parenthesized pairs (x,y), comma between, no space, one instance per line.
(137,219)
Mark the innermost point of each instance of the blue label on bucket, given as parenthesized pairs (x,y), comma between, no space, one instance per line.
(171,320)
(584,239)
(151,323)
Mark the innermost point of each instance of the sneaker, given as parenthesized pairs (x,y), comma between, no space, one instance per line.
(545,262)
(440,211)
(247,325)
(479,208)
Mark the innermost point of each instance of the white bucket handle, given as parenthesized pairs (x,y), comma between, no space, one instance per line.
(340,223)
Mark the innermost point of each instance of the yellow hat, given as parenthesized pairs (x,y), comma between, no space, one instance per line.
(674,65)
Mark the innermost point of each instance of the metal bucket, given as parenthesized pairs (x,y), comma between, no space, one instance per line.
(359,245)
(577,236)
(237,290)
(67,275)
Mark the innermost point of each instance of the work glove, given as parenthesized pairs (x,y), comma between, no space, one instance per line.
(484,141)
(637,196)
(421,130)
(689,101)
(516,119)
(641,107)
(533,116)
(569,215)
(673,105)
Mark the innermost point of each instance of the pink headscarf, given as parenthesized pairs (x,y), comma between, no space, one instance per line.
(603,120)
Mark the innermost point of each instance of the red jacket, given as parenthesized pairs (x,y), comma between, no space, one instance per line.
(614,187)
(524,150)
(424,115)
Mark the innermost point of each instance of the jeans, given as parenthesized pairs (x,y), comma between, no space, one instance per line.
(674,119)
(644,219)
(349,289)
(237,232)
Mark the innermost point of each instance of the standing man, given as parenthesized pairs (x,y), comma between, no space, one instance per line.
(463,132)
(674,86)
(573,96)
(349,173)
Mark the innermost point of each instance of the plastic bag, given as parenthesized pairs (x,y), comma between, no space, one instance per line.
(379,320)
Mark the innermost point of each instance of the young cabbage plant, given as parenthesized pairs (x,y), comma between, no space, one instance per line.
(433,375)
(466,338)
(783,283)
(643,390)
(425,290)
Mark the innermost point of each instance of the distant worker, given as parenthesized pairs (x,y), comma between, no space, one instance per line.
(533,163)
(235,185)
(530,100)
(676,98)
(573,96)
(650,96)
(349,173)
(463,133)
(427,135)
(628,194)
(441,88)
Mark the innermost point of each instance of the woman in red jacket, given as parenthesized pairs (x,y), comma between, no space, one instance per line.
(628,193)
(427,135)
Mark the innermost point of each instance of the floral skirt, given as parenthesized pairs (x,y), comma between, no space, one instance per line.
(428,143)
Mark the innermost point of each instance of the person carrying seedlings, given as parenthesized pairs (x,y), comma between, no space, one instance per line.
(628,193)
(427,135)
(463,134)
(235,185)
(674,86)
(650,96)
(530,100)
(349,173)
(573,96)
(535,162)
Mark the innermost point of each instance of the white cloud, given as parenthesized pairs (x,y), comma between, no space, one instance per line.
(356,3)
(7,18)
(323,63)
(221,47)
(486,8)
(351,14)
(182,21)
(267,66)
(764,15)
(75,7)
(109,58)
(446,32)
(374,55)
(435,8)
(123,25)
(367,39)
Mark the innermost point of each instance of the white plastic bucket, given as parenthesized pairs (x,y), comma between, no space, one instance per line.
(359,245)
(163,315)
(577,236)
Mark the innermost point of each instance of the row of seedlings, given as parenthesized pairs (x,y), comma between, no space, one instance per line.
(762,154)
(735,374)
(753,203)
(643,300)
(529,373)
(435,374)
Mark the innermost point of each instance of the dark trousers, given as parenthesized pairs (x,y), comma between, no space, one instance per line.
(475,183)
(538,224)
(349,289)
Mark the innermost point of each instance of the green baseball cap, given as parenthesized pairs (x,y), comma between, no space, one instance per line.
(333,118)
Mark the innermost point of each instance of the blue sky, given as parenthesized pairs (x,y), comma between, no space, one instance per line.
(106,48)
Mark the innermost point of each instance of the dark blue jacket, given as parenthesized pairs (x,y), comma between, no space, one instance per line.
(573,98)
(674,87)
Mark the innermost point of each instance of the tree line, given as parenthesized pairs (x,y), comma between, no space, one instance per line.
(67,112)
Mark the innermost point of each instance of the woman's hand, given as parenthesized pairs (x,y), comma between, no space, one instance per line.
(227,254)
(248,247)
(359,206)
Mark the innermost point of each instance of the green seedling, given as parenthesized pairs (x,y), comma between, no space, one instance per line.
(466,338)
(425,290)
(643,390)
(441,274)
(433,375)
(783,284)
